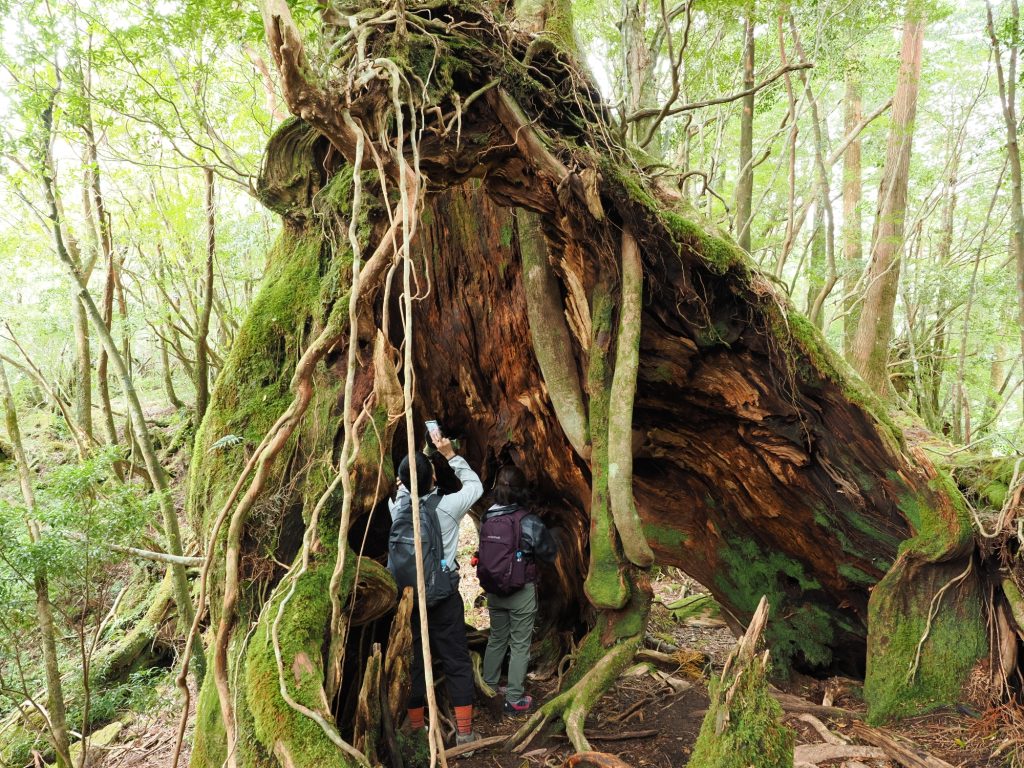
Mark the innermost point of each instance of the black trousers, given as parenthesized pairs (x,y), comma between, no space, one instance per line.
(446,624)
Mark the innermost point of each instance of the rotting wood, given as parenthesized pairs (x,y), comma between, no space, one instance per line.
(898,748)
(814,754)
(596,759)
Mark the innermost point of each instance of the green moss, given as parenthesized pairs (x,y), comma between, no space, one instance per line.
(605,585)
(301,633)
(856,575)
(209,747)
(505,235)
(694,606)
(253,387)
(612,628)
(753,735)
(898,618)
(664,536)
(900,603)
(802,629)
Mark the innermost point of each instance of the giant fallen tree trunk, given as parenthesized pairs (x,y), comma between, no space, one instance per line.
(756,461)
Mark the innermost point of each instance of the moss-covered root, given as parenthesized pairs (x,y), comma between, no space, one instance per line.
(743,726)
(550,333)
(605,584)
(926,623)
(113,664)
(926,633)
(294,732)
(620,411)
(606,651)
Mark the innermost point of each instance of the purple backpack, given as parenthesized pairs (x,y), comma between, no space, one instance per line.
(501,565)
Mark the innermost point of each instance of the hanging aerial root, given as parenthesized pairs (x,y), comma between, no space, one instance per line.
(620,411)
(552,343)
(258,467)
(605,584)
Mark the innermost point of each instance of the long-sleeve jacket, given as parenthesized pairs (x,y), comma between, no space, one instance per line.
(453,506)
(535,540)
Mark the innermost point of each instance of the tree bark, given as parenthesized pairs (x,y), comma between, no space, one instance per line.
(874,332)
(203,323)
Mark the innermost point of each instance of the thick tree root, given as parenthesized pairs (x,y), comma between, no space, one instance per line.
(574,704)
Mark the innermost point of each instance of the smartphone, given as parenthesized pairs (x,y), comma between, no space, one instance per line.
(433,428)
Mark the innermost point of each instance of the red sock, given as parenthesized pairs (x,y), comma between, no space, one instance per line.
(464,718)
(416,717)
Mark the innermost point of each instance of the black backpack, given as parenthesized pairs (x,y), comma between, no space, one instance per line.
(501,566)
(441,582)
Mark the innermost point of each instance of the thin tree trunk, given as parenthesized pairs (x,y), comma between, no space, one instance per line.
(745,182)
(170,520)
(853,242)
(44,612)
(165,367)
(99,225)
(83,368)
(874,333)
(1008,97)
(102,365)
(203,325)
(816,263)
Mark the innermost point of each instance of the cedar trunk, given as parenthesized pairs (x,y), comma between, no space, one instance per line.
(759,463)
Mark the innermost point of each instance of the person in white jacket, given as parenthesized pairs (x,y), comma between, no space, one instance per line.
(446,620)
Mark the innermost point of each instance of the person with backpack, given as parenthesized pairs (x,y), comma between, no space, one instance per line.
(512,540)
(440,517)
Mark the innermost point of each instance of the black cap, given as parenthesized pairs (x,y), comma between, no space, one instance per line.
(424,472)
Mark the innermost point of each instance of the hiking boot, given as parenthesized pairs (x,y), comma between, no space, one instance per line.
(519,707)
(466,738)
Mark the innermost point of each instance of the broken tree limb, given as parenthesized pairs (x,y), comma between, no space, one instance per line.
(813,754)
(596,759)
(827,736)
(743,725)
(898,748)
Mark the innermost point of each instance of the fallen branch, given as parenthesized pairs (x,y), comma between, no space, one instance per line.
(827,736)
(599,759)
(898,748)
(813,754)
(473,746)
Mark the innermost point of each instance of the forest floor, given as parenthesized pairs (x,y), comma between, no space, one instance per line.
(652,723)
